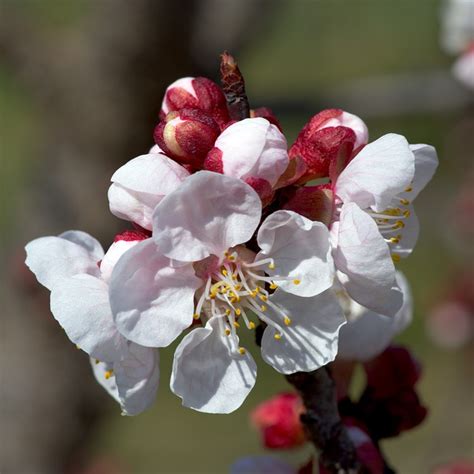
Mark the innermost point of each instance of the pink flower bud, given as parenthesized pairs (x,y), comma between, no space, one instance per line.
(279,421)
(266,113)
(187,136)
(313,202)
(329,140)
(253,150)
(196,93)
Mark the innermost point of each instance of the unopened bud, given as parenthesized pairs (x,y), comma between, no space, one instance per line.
(187,136)
(266,113)
(328,142)
(278,419)
(253,150)
(313,202)
(196,93)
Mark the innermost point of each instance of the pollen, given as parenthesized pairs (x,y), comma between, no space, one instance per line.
(227,332)
(273,286)
(236,324)
(277,336)
(394,240)
(238,312)
(271,266)
(227,312)
(263,307)
(108,374)
(396,257)
(409,189)
(196,316)
(224,272)
(242,350)
(287,321)
(296,282)
(251,325)
(399,225)
(405,202)
(97,361)
(263,298)
(406,213)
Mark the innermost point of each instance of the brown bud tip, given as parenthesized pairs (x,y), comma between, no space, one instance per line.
(233,85)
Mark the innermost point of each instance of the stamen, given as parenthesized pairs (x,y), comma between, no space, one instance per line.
(277,336)
(108,374)
(242,351)
(395,257)
(409,189)
(287,321)
(296,282)
(404,201)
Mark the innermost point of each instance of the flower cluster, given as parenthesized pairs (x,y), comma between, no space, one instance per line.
(230,233)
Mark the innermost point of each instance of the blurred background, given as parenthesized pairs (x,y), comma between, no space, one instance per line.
(81,84)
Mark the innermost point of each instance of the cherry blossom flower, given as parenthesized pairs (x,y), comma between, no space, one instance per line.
(202,227)
(76,271)
(139,185)
(368,208)
(367,333)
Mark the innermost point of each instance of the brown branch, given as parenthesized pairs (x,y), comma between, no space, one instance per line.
(322,422)
(233,85)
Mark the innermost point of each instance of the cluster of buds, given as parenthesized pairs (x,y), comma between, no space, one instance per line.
(230,234)
(388,406)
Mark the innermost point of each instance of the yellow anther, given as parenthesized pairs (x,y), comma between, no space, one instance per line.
(263,297)
(253,294)
(296,282)
(392,211)
(406,213)
(273,286)
(77,347)
(384,221)
(108,374)
(196,316)
(271,266)
(231,258)
(242,351)
(227,311)
(399,225)
(238,287)
(236,324)
(405,202)
(238,312)
(395,257)
(263,307)
(213,295)
(227,332)
(257,289)
(409,189)
(97,361)
(395,240)
(234,276)
(224,272)
(277,336)
(251,325)
(287,321)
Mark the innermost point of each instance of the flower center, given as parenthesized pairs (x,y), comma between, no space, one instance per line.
(238,290)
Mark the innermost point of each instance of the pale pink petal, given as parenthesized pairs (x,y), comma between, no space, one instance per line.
(364,263)
(81,306)
(152,301)
(112,256)
(253,148)
(139,185)
(426,162)
(52,259)
(370,333)
(300,249)
(409,235)
(207,214)
(310,340)
(378,173)
(208,375)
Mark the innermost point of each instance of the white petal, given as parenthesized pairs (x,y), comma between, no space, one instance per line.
(139,185)
(207,214)
(364,264)
(131,382)
(81,306)
(112,256)
(208,375)
(301,250)
(262,465)
(426,162)
(100,369)
(380,171)
(152,302)
(310,341)
(253,148)
(371,333)
(137,378)
(52,259)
